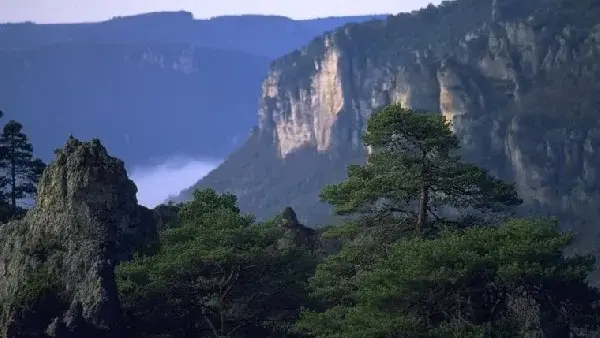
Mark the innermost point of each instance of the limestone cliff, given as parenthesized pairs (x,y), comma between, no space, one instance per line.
(57,264)
(519,81)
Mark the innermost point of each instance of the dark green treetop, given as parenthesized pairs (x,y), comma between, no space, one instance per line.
(507,281)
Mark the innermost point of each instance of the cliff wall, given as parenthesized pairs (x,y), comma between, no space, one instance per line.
(519,81)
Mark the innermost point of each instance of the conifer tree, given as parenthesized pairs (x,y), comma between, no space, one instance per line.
(21,170)
(414,170)
(4,205)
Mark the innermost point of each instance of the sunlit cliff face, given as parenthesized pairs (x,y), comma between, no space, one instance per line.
(307,117)
(481,90)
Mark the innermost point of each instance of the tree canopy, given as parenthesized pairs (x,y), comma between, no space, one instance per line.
(216,274)
(414,170)
(406,266)
(426,255)
(506,281)
(428,249)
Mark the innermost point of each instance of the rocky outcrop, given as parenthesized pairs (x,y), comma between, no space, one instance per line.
(294,233)
(57,263)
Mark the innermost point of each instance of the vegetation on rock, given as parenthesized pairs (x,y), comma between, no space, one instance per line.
(57,263)
(428,250)
(42,294)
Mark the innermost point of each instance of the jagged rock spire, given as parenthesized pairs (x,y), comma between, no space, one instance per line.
(85,220)
(295,233)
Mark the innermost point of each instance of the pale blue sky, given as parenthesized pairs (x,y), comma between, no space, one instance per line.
(44,11)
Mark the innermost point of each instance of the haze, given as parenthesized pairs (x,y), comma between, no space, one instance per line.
(157,182)
(44,11)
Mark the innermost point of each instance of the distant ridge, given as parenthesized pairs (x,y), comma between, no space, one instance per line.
(160,68)
(185,15)
(263,35)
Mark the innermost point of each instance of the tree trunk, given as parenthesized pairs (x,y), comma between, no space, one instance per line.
(211,325)
(222,319)
(424,196)
(423,204)
(13,182)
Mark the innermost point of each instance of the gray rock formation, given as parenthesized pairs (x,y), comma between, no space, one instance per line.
(295,234)
(57,264)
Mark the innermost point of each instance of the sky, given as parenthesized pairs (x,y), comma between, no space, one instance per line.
(57,11)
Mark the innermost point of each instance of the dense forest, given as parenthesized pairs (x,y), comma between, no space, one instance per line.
(430,247)
(20,171)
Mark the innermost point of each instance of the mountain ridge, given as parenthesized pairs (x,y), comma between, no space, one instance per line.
(222,32)
(165,71)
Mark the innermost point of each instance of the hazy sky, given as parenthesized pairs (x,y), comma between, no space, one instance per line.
(97,10)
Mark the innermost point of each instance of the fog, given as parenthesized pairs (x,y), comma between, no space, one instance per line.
(157,181)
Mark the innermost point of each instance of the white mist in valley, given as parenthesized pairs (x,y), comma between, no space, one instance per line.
(158,181)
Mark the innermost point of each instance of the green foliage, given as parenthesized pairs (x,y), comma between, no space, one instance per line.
(35,303)
(206,201)
(466,283)
(21,172)
(412,174)
(414,171)
(216,274)
(470,279)
(42,247)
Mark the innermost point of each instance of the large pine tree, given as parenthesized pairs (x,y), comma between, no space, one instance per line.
(414,170)
(4,205)
(21,170)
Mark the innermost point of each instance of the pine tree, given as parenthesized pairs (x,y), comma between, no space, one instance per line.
(22,170)
(414,170)
(4,205)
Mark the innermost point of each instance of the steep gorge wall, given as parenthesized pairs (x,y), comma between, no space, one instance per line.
(519,81)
